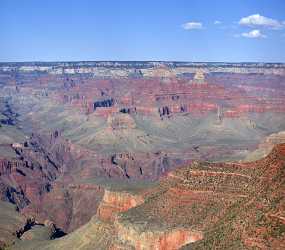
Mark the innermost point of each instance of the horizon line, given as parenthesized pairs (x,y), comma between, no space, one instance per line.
(142,61)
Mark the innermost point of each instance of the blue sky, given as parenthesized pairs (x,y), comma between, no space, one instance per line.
(180,30)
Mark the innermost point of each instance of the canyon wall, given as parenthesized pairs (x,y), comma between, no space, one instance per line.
(69,131)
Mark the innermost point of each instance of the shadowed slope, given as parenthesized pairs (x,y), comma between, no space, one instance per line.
(10,222)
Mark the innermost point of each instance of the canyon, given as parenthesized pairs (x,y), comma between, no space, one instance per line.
(142,155)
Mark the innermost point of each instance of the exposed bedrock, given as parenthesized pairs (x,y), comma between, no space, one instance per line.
(114,202)
(135,166)
(235,93)
(200,206)
(28,176)
(69,207)
(100,128)
(47,180)
(154,239)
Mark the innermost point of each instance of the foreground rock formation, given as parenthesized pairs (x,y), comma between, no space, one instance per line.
(201,206)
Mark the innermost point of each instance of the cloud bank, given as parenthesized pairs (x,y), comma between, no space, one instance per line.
(261,21)
(253,34)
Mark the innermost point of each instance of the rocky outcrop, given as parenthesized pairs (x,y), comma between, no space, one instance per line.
(9,166)
(159,239)
(143,166)
(187,194)
(266,146)
(114,202)
(25,179)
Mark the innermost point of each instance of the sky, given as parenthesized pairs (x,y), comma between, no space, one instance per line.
(137,30)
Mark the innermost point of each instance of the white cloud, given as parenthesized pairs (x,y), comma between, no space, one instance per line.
(217,22)
(192,26)
(262,21)
(253,34)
